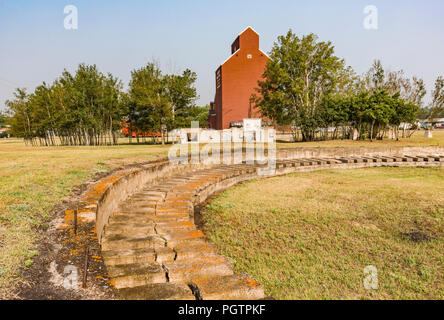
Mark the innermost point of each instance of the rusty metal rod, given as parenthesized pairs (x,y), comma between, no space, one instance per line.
(85,268)
(75,221)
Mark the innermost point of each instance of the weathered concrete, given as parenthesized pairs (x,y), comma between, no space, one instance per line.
(145,222)
(338,152)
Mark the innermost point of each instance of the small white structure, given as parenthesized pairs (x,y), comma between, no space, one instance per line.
(252,124)
(428,134)
(226,135)
(209,136)
(237,135)
(355,134)
(391,134)
(252,130)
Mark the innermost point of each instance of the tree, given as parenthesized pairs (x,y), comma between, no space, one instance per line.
(298,77)
(3,119)
(404,112)
(88,107)
(20,111)
(151,105)
(159,102)
(437,107)
(80,109)
(336,113)
(403,95)
(193,113)
(183,96)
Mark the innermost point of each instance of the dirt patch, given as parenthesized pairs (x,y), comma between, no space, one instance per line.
(57,271)
(416,236)
(59,257)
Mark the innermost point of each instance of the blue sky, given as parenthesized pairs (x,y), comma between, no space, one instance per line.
(120,36)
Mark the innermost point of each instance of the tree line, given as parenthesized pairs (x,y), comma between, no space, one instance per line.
(89,107)
(3,120)
(306,86)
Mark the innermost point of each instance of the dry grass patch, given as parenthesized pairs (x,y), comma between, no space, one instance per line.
(310,235)
(34,179)
(417,139)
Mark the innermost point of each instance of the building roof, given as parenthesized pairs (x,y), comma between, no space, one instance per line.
(234,53)
(247,29)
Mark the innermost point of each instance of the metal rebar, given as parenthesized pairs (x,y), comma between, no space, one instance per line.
(85,268)
(75,221)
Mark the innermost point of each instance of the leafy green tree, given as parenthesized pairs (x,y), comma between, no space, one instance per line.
(183,96)
(336,113)
(158,102)
(404,112)
(379,112)
(20,111)
(3,119)
(151,108)
(80,109)
(437,107)
(193,113)
(300,74)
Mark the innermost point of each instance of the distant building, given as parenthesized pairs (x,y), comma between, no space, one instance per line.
(126,131)
(236,80)
(5,132)
(437,123)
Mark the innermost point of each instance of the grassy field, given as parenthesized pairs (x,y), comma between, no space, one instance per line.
(310,235)
(34,179)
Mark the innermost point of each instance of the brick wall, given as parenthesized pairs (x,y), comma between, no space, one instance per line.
(236,80)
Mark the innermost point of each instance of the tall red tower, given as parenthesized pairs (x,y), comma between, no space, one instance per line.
(236,80)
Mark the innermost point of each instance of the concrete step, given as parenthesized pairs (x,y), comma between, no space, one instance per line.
(170,218)
(143,197)
(174,197)
(121,242)
(115,228)
(138,274)
(141,219)
(169,211)
(437,158)
(165,254)
(189,250)
(150,193)
(171,227)
(139,204)
(128,256)
(175,203)
(204,266)
(180,236)
(232,287)
(158,291)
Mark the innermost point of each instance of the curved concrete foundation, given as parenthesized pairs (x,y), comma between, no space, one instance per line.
(150,244)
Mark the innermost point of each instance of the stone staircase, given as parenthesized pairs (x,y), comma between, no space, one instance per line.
(153,250)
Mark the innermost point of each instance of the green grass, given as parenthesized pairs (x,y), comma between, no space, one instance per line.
(310,235)
(34,179)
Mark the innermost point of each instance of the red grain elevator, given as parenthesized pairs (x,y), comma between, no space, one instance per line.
(236,80)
